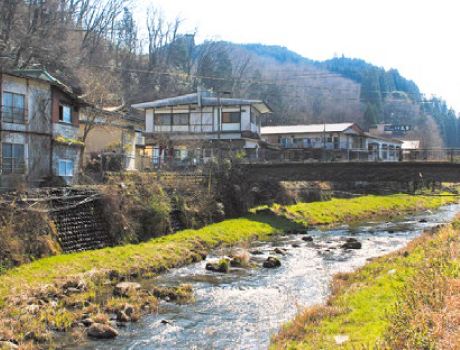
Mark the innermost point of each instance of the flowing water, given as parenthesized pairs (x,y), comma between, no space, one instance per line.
(242,309)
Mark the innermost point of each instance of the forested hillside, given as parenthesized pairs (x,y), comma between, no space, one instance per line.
(97,48)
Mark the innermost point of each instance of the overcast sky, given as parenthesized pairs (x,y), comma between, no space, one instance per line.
(419,38)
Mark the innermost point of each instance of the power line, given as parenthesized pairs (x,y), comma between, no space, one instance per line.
(239,80)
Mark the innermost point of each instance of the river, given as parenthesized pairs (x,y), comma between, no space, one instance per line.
(242,309)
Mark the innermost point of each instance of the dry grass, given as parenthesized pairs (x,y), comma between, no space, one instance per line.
(417,308)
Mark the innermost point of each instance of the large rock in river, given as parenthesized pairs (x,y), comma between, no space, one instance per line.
(222,266)
(352,243)
(272,262)
(102,331)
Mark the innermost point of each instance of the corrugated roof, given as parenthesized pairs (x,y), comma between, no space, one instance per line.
(309,128)
(261,106)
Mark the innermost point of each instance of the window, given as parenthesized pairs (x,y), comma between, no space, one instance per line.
(13,160)
(65,114)
(231,117)
(140,138)
(162,119)
(65,167)
(13,108)
(180,119)
(172,119)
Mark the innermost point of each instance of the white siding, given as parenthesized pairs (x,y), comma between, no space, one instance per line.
(149,123)
(230,126)
(246,118)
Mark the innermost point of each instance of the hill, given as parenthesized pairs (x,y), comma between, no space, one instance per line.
(99,50)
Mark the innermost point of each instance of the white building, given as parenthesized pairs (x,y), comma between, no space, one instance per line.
(336,137)
(200,121)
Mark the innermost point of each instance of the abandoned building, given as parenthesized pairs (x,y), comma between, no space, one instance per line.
(39,126)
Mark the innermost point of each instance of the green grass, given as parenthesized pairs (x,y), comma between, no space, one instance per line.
(150,258)
(345,210)
(376,309)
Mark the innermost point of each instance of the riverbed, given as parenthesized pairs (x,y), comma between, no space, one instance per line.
(243,308)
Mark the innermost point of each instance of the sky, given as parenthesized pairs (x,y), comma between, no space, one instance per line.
(421,39)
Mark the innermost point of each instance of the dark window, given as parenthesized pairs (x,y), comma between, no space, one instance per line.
(13,108)
(65,114)
(231,117)
(13,160)
(172,119)
(180,119)
(162,119)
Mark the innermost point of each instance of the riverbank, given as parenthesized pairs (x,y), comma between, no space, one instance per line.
(63,290)
(405,300)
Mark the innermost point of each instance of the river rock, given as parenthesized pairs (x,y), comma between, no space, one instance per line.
(236,262)
(218,267)
(129,309)
(280,251)
(423,220)
(272,262)
(352,243)
(308,238)
(8,345)
(124,289)
(122,317)
(102,331)
(135,317)
(295,245)
(87,322)
(256,252)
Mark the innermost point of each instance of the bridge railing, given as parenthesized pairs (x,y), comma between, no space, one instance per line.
(193,164)
(451,155)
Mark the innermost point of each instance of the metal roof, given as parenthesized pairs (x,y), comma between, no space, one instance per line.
(303,129)
(381,138)
(195,98)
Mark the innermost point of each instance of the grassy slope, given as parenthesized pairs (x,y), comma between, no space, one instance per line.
(172,250)
(178,249)
(389,303)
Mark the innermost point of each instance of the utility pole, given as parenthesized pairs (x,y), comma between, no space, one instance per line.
(219,119)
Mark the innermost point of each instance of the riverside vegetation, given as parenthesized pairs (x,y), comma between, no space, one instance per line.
(405,300)
(64,292)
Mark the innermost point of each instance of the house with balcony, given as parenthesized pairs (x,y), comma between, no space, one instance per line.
(197,124)
(39,119)
(343,140)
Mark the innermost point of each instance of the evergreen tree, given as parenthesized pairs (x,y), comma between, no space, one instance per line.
(371,115)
